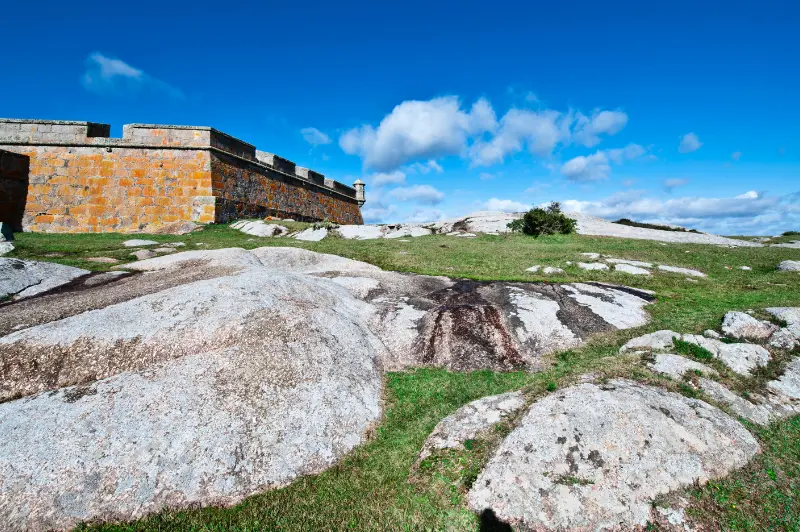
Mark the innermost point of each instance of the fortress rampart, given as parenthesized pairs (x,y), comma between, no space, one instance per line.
(79,179)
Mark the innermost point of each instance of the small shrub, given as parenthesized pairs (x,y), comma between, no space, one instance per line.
(325,224)
(791,233)
(551,386)
(692,350)
(549,221)
(631,223)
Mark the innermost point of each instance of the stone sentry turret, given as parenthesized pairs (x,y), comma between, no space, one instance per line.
(359,186)
(82,180)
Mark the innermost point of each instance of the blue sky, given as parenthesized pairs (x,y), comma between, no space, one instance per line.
(683,113)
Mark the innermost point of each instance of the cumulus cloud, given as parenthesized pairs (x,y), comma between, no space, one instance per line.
(387,178)
(670,184)
(536,187)
(736,155)
(377,212)
(505,205)
(597,166)
(110,76)
(589,128)
(424,215)
(424,168)
(628,153)
(584,169)
(441,127)
(424,194)
(689,143)
(314,136)
(748,213)
(418,130)
(538,131)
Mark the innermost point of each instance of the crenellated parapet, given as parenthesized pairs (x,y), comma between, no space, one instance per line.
(81,179)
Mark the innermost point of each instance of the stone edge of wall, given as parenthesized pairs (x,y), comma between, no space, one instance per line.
(66,133)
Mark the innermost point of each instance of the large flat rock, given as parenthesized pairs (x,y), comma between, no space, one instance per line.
(199,394)
(471,420)
(206,376)
(595,457)
(25,278)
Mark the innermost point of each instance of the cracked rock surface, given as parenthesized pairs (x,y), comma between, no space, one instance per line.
(25,278)
(285,379)
(470,420)
(284,349)
(568,467)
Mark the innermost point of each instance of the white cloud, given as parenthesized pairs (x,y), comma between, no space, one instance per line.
(424,215)
(486,176)
(419,130)
(628,153)
(597,166)
(583,169)
(108,75)
(536,187)
(425,194)
(505,205)
(424,168)
(689,143)
(670,184)
(752,194)
(377,212)
(589,129)
(387,178)
(440,127)
(736,155)
(539,131)
(629,182)
(748,213)
(314,136)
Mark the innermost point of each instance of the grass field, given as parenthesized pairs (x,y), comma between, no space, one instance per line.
(374,488)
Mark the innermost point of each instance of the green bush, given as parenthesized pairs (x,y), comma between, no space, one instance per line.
(549,221)
(631,223)
(791,233)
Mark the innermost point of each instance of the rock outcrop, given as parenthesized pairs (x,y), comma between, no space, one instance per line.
(470,420)
(569,467)
(745,327)
(284,350)
(285,379)
(25,278)
(789,266)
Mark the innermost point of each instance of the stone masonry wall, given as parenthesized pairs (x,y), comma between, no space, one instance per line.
(243,189)
(85,189)
(80,180)
(13,188)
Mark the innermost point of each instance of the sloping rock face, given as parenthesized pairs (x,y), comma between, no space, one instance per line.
(207,376)
(470,420)
(676,366)
(467,325)
(789,266)
(26,278)
(569,467)
(202,393)
(259,228)
(744,326)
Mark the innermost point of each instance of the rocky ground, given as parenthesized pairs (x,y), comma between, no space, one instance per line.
(198,378)
(487,223)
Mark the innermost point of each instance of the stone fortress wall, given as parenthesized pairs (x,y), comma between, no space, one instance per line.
(79,179)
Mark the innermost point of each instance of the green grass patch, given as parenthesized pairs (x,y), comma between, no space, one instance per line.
(692,350)
(765,495)
(374,488)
